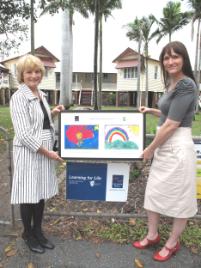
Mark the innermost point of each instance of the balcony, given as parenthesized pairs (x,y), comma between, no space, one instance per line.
(89,86)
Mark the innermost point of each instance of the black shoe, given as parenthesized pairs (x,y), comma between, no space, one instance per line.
(43,241)
(33,244)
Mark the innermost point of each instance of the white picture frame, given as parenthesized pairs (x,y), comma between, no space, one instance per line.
(111,135)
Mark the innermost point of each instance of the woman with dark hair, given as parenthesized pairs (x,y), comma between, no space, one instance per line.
(171,186)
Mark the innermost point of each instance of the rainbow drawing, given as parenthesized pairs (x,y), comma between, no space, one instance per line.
(121,137)
(115,133)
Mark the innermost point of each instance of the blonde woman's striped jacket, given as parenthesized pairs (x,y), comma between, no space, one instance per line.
(34,174)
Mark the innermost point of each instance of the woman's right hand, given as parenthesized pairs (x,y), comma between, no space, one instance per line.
(144,109)
(54,156)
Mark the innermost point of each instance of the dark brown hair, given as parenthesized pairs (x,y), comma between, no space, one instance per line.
(180,49)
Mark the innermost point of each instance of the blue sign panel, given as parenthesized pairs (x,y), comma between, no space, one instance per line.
(117,181)
(86,181)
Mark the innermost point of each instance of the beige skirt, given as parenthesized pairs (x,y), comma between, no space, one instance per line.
(171,186)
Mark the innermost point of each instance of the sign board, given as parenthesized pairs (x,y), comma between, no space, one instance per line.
(117,182)
(97,181)
(101,135)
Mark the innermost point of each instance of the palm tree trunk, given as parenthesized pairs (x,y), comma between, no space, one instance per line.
(147,76)
(96,53)
(66,60)
(71,61)
(32,28)
(196,70)
(139,72)
(100,62)
(199,65)
(170,36)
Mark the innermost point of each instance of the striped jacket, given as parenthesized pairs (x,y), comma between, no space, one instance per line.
(34,176)
(27,118)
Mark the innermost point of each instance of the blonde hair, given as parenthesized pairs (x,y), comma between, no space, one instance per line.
(28,62)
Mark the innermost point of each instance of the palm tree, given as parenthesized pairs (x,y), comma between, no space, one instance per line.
(66,59)
(105,8)
(196,16)
(147,23)
(140,31)
(173,20)
(68,7)
(135,33)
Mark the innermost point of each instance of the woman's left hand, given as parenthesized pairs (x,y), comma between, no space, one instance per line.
(56,110)
(148,153)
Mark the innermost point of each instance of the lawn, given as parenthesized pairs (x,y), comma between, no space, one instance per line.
(5,120)
(151,121)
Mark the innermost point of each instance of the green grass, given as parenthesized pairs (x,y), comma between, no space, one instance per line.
(5,120)
(151,121)
(126,231)
(196,129)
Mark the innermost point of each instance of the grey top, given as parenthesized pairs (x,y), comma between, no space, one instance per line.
(179,103)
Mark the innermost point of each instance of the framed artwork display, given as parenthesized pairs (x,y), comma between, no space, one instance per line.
(101,134)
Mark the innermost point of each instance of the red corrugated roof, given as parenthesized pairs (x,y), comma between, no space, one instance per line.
(126,64)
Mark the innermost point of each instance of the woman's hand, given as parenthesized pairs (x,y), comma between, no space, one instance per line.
(148,153)
(54,156)
(155,112)
(144,109)
(56,110)
(50,154)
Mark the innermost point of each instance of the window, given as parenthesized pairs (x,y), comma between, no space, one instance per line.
(74,78)
(156,72)
(105,76)
(88,76)
(130,72)
(14,69)
(46,72)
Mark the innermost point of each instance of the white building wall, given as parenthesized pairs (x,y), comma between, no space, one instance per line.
(155,85)
(49,81)
(130,84)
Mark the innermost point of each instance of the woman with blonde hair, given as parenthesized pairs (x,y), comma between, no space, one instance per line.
(34,178)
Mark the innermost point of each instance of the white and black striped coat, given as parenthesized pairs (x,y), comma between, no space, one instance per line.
(34,174)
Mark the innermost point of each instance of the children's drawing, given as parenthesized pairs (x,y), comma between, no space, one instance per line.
(122,137)
(81,136)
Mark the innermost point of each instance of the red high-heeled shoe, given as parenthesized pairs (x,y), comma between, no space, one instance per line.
(171,251)
(137,244)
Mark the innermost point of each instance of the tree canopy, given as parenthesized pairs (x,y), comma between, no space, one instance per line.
(173,19)
(13,28)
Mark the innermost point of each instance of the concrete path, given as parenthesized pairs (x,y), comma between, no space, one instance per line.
(84,254)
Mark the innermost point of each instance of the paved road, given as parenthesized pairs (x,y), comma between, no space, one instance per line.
(85,254)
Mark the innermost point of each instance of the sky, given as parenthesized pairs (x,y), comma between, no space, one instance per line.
(48,33)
